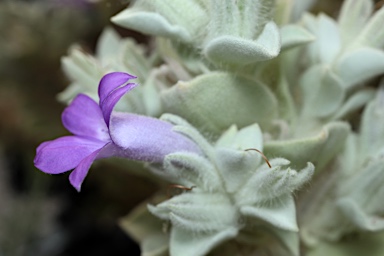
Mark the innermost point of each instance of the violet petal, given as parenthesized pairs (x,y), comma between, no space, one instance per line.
(65,153)
(113,97)
(83,117)
(147,139)
(78,175)
(110,82)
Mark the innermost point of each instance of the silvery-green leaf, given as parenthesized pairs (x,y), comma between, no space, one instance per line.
(133,59)
(279,213)
(319,149)
(182,58)
(244,18)
(329,39)
(350,158)
(359,65)
(294,35)
(228,137)
(373,33)
(280,242)
(237,50)
(327,44)
(107,45)
(257,188)
(235,166)
(352,18)
(322,91)
(247,137)
(155,245)
(178,20)
(192,170)
(83,69)
(151,95)
(359,217)
(268,183)
(183,127)
(198,212)
(186,243)
(354,102)
(287,108)
(366,190)
(372,125)
(201,99)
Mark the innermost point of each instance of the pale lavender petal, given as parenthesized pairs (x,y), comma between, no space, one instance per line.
(112,81)
(78,175)
(147,139)
(83,117)
(64,154)
(110,101)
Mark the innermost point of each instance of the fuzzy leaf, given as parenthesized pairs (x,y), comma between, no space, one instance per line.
(359,65)
(323,92)
(190,211)
(319,149)
(279,213)
(192,170)
(268,183)
(228,137)
(108,45)
(353,16)
(361,196)
(197,244)
(201,99)
(237,50)
(373,33)
(178,20)
(248,137)
(151,99)
(359,217)
(329,39)
(372,125)
(257,187)
(294,35)
(84,70)
(354,102)
(327,44)
(234,166)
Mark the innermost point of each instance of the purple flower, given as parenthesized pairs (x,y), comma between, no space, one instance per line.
(99,133)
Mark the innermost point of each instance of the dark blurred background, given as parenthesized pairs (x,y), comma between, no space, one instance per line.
(43,215)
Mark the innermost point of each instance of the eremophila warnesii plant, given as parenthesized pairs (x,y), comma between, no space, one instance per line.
(268,120)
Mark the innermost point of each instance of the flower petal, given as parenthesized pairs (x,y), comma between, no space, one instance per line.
(111,82)
(111,88)
(113,97)
(83,117)
(78,175)
(147,139)
(64,154)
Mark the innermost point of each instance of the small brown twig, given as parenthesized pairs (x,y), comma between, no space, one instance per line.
(261,153)
(178,186)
